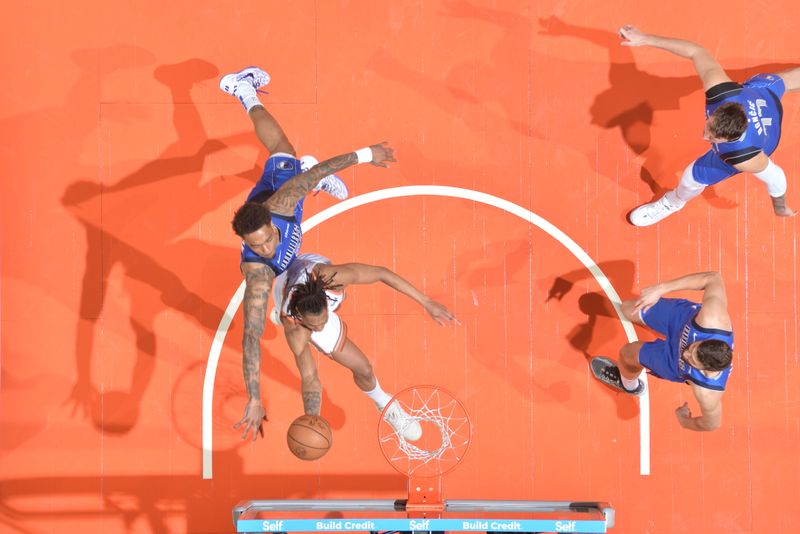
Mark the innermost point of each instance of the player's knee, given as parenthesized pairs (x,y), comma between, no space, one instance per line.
(363,372)
(629,354)
(629,311)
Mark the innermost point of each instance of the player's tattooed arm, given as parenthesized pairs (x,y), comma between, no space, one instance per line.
(290,193)
(312,402)
(298,338)
(258,282)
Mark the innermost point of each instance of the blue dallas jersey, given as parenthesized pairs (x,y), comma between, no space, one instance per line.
(291,237)
(760,98)
(676,320)
(692,333)
(278,170)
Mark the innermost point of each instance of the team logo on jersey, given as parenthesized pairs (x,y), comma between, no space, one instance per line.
(755,113)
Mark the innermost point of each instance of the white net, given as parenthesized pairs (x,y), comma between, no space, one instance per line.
(425,431)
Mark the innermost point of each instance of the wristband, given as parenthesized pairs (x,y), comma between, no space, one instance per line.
(364,155)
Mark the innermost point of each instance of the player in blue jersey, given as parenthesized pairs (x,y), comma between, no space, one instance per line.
(697,349)
(269,222)
(743,125)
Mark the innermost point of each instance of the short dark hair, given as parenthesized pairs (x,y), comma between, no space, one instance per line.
(250,217)
(730,121)
(714,354)
(310,297)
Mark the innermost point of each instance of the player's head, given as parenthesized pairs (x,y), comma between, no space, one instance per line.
(309,301)
(727,123)
(253,223)
(709,355)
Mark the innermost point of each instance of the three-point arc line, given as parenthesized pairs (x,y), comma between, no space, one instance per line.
(436,191)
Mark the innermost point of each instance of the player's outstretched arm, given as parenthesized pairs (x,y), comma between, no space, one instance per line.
(360,273)
(709,70)
(709,282)
(289,194)
(258,282)
(298,338)
(710,402)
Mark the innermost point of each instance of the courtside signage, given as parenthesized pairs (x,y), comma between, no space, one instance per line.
(451,525)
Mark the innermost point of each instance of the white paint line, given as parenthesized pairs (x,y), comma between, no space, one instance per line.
(438,191)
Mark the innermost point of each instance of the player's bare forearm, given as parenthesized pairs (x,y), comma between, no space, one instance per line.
(312,401)
(695,281)
(679,47)
(780,208)
(289,194)
(258,281)
(401,285)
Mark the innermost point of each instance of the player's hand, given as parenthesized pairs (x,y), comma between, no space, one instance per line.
(785,211)
(439,312)
(382,153)
(632,36)
(683,413)
(254,417)
(649,296)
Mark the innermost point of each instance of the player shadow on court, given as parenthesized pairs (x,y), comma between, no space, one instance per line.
(597,331)
(635,95)
(470,88)
(182,503)
(160,201)
(495,266)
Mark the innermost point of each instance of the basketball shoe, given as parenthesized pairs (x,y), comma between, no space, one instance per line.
(648,214)
(251,76)
(403,424)
(607,372)
(331,184)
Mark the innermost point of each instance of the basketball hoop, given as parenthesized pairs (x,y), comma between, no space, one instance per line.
(446,433)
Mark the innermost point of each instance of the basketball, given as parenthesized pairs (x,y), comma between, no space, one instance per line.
(309,437)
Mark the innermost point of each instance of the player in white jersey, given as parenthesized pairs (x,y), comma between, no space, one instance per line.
(307,296)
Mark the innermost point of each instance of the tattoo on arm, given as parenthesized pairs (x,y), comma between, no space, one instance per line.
(312,402)
(289,194)
(258,281)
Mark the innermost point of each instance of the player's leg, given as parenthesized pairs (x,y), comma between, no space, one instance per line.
(625,375)
(629,365)
(351,357)
(356,361)
(244,85)
(672,201)
(629,311)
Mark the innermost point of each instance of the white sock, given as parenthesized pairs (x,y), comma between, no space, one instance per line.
(247,95)
(631,384)
(380,397)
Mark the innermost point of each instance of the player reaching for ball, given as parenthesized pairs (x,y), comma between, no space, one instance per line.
(698,348)
(269,221)
(307,296)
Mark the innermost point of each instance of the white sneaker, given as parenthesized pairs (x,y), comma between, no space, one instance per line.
(403,423)
(331,184)
(252,76)
(653,212)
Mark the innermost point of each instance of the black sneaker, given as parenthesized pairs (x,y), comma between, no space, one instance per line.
(607,372)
